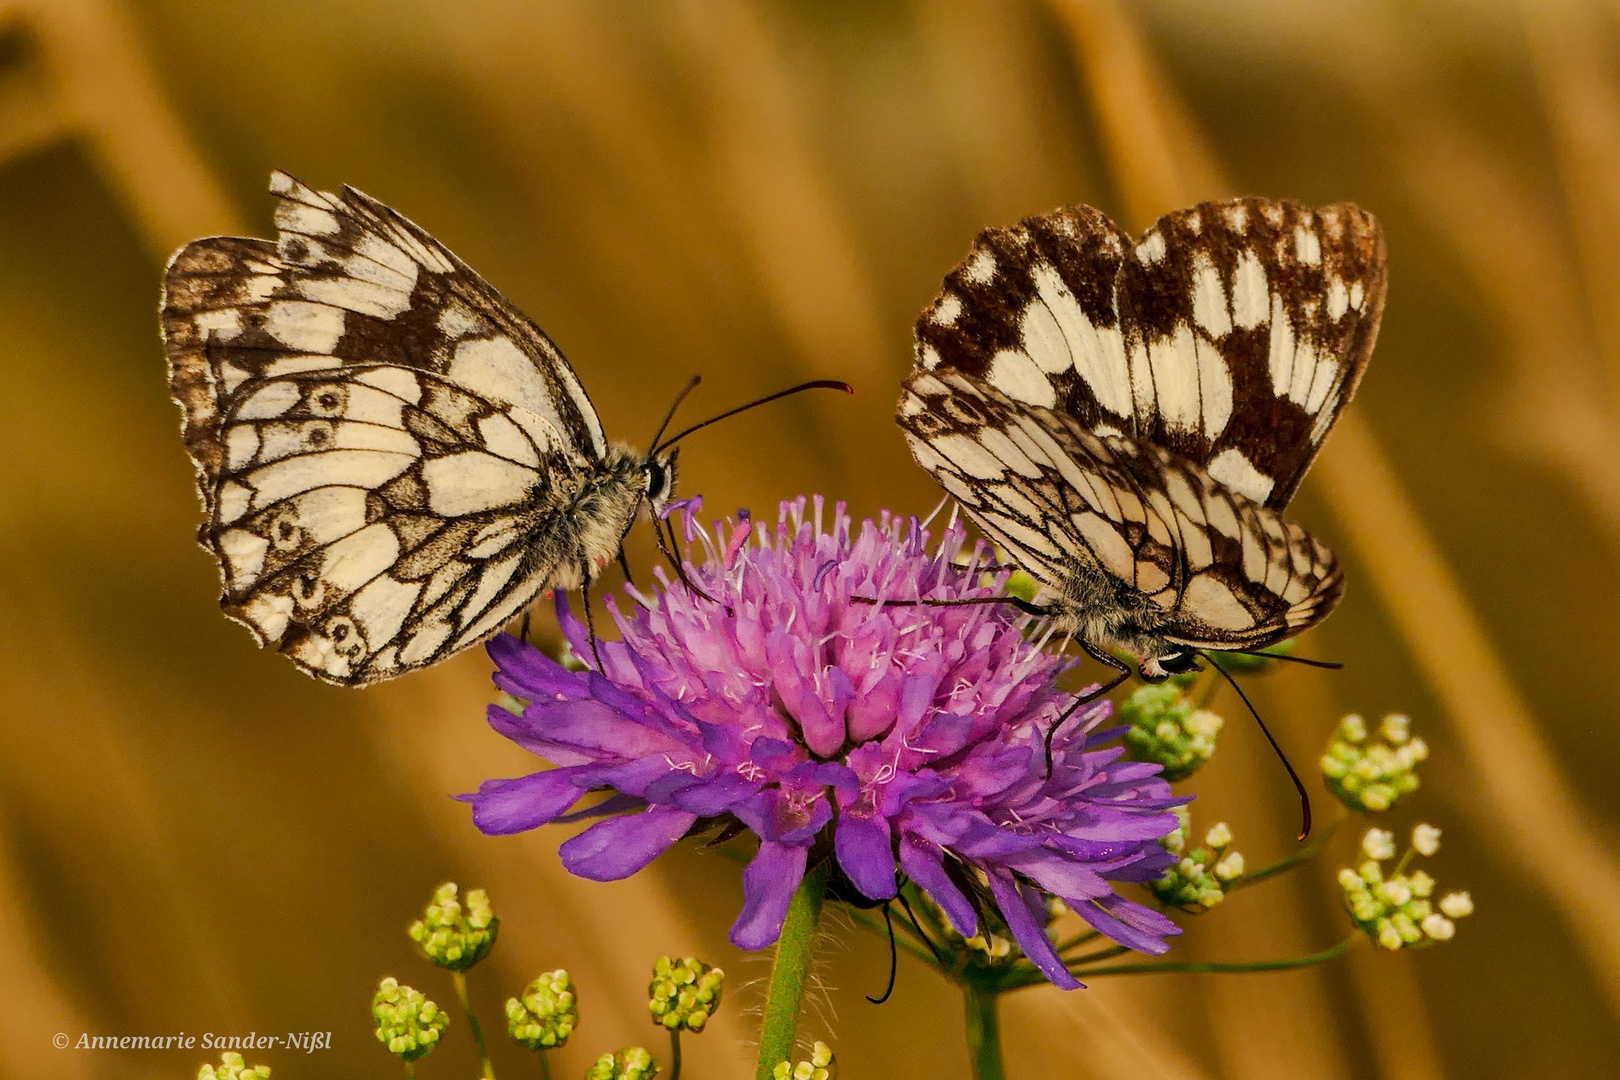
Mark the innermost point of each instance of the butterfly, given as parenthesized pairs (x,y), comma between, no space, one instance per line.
(1128,419)
(393,460)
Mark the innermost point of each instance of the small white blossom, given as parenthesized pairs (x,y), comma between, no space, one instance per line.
(1397,728)
(1439,927)
(1219,836)
(1458,905)
(1230,868)
(1426,839)
(1379,844)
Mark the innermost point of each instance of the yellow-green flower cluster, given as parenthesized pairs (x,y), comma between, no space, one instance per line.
(1394,908)
(452,936)
(1167,729)
(1200,880)
(684,993)
(631,1063)
(407,1022)
(546,1014)
(231,1067)
(1372,775)
(819,1066)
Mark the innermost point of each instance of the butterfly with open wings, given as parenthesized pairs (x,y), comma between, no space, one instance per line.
(393,460)
(1128,419)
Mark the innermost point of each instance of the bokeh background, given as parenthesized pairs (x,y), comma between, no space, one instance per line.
(194,837)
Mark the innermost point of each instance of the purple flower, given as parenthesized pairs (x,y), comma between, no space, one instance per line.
(903,738)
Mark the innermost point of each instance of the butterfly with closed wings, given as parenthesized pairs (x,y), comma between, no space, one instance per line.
(1128,419)
(393,460)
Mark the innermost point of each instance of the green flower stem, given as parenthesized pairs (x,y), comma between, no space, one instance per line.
(410,1070)
(1258,965)
(790,973)
(1309,851)
(983,1030)
(545,1065)
(460,979)
(675,1054)
(1077,940)
(1091,958)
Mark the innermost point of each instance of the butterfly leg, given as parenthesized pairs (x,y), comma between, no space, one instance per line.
(590,623)
(523,627)
(1122,672)
(624,564)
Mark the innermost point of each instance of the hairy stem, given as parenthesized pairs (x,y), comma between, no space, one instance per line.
(790,973)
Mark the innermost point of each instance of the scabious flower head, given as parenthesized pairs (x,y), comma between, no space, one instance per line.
(1371,774)
(888,737)
(232,1067)
(546,1014)
(453,936)
(684,993)
(407,1022)
(1165,727)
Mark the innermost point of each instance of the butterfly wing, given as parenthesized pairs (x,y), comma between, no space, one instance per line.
(1231,334)
(1209,567)
(374,429)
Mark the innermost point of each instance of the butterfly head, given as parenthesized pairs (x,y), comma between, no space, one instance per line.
(1156,669)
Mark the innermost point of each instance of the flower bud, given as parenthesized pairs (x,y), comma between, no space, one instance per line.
(231,1067)
(1200,879)
(407,1023)
(631,1063)
(546,1014)
(453,937)
(1372,776)
(1426,840)
(1457,905)
(1166,729)
(1439,927)
(683,993)
(1379,844)
(818,1066)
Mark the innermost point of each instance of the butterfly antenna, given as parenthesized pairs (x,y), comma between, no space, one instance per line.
(691,384)
(905,905)
(1027,607)
(818,384)
(894,959)
(1304,799)
(1331,665)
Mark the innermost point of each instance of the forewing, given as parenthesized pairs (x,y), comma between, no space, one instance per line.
(372,522)
(1224,571)
(375,430)
(1232,333)
(1032,312)
(350,284)
(1248,325)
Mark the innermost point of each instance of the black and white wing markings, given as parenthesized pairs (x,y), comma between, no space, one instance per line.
(393,460)
(1231,334)
(1139,545)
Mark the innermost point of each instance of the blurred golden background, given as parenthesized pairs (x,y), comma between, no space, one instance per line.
(194,837)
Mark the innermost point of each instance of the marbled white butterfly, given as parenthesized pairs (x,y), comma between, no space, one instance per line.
(1129,419)
(393,460)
